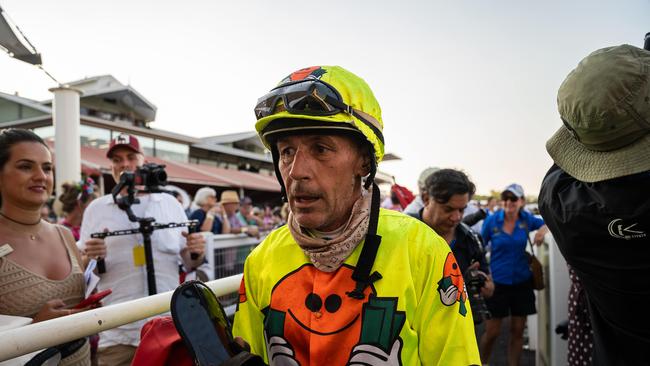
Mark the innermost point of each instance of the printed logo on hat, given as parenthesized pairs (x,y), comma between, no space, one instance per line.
(123,140)
(314,72)
(618,230)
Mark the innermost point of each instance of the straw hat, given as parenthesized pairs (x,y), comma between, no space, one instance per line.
(229,197)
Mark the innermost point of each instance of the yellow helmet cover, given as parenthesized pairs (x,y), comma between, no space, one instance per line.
(354,91)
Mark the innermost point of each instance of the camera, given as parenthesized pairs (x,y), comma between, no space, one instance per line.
(152,176)
(474,281)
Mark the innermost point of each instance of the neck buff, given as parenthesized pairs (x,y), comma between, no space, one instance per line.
(328,254)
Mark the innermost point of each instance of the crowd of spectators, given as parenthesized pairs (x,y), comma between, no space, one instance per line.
(51,244)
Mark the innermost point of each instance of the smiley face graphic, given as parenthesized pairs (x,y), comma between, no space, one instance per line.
(309,306)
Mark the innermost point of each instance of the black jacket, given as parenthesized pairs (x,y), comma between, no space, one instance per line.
(467,247)
(603,231)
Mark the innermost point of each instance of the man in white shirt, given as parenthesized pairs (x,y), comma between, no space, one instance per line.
(124,261)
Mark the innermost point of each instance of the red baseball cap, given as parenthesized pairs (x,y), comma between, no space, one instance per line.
(124,140)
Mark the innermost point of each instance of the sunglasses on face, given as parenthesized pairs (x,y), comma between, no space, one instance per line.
(510,198)
(308,97)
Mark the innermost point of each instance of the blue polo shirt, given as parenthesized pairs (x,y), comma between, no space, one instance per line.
(200,215)
(508,261)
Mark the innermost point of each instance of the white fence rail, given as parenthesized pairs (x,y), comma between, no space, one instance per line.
(33,337)
(552,306)
(226,255)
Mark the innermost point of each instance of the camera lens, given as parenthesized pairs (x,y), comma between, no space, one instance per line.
(161,177)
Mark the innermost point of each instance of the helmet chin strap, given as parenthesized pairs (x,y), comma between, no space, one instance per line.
(370,179)
(361,274)
(275,155)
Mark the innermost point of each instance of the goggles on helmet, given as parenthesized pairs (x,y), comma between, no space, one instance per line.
(308,97)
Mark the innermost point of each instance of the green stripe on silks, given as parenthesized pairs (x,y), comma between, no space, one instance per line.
(462,310)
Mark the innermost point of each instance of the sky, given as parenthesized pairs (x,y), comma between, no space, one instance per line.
(463,84)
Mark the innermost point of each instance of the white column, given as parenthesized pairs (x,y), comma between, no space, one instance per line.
(67,149)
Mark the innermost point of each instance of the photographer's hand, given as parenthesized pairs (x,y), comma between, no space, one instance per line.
(488,288)
(195,243)
(95,248)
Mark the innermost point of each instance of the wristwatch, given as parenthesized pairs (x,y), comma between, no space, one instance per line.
(210,216)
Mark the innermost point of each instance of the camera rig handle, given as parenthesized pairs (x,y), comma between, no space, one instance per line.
(194,229)
(146,227)
(151,177)
(189,224)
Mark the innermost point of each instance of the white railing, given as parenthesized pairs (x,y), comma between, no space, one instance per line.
(552,305)
(37,336)
(239,245)
(33,337)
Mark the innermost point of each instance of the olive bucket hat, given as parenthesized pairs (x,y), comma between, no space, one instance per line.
(604,104)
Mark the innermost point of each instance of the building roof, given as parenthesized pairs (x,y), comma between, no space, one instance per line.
(26,102)
(94,159)
(108,87)
(234,151)
(231,137)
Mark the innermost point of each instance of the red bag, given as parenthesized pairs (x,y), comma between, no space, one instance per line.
(404,195)
(161,345)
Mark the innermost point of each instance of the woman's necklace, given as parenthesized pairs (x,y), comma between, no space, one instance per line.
(31,236)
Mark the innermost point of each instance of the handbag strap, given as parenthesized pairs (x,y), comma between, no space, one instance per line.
(532,250)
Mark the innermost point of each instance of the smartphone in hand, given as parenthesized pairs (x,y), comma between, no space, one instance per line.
(93,299)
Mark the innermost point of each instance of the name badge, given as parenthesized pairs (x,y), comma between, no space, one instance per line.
(138,256)
(5,249)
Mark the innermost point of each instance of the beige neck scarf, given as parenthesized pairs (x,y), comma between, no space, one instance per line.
(328,254)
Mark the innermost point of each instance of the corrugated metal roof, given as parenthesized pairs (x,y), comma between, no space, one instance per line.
(95,158)
(26,102)
(235,152)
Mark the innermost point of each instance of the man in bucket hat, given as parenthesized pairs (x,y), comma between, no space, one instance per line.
(595,198)
(343,281)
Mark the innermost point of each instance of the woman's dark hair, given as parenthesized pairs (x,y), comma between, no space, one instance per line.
(445,183)
(13,136)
